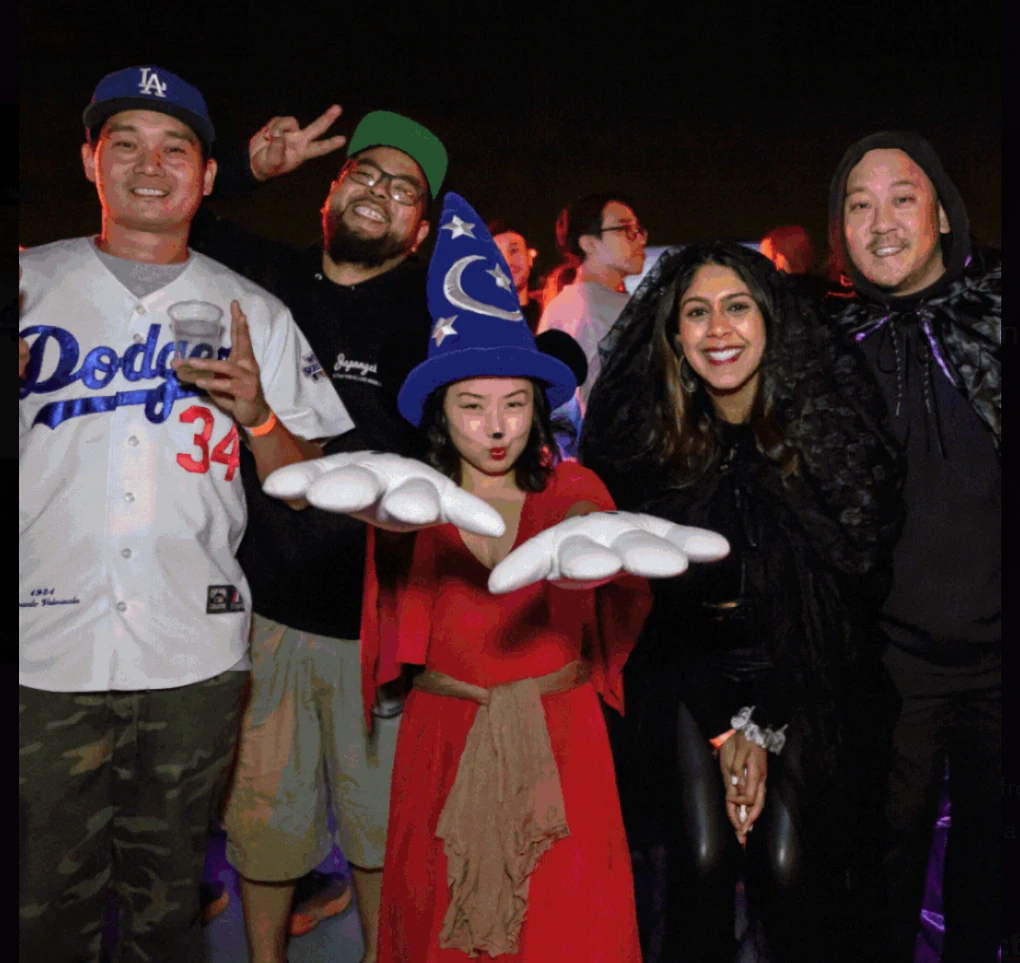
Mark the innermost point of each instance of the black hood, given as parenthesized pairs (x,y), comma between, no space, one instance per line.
(955,245)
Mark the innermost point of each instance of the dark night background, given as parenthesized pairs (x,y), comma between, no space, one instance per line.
(716,121)
(717,118)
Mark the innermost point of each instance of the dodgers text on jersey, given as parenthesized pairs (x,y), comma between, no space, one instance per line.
(138,363)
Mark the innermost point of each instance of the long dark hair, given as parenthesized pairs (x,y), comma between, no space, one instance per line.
(817,415)
(684,432)
(531,470)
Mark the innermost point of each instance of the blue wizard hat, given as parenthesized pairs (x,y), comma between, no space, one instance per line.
(479,330)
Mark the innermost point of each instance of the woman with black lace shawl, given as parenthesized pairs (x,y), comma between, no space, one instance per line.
(776,444)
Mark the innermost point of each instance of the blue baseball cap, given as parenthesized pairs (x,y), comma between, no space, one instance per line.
(149,88)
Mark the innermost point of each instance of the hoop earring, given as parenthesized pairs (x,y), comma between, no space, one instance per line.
(689,381)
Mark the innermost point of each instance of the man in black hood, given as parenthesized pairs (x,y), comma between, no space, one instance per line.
(929,321)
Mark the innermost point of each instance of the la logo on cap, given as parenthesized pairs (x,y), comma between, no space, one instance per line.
(150,84)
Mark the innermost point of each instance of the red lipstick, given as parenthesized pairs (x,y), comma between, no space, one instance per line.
(497,454)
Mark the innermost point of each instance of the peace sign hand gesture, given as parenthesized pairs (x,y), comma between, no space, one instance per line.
(234,383)
(283,146)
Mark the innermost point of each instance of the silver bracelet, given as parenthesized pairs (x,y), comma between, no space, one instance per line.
(772,740)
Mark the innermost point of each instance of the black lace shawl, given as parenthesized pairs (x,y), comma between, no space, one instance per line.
(827,401)
(841,515)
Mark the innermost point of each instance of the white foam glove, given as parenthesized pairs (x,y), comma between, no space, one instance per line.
(395,493)
(590,550)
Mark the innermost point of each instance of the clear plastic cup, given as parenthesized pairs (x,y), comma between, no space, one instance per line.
(195,323)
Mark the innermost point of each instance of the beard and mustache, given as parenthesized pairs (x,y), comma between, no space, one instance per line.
(345,246)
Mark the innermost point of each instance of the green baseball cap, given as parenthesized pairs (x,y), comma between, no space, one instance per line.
(381,128)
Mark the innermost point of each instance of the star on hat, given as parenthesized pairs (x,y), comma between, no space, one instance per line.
(501,279)
(459,228)
(443,328)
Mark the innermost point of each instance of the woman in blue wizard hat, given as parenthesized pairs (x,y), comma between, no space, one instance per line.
(525,596)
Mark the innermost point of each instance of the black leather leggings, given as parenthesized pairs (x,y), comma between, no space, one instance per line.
(703,860)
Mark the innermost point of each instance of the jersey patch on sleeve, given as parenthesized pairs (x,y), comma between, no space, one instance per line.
(223,598)
(311,368)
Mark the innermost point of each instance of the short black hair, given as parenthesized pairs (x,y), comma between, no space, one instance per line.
(498,227)
(583,217)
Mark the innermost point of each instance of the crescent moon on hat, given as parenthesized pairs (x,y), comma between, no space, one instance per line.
(457,296)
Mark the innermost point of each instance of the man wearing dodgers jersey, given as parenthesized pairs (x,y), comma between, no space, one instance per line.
(134,613)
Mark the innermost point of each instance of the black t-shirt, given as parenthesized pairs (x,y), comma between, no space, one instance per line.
(306,568)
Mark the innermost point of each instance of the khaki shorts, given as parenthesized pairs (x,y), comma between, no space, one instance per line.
(304,745)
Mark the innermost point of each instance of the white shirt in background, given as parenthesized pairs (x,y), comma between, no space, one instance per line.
(586,311)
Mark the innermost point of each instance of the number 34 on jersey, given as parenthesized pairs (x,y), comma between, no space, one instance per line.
(226,451)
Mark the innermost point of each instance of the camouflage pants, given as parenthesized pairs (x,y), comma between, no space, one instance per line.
(115,793)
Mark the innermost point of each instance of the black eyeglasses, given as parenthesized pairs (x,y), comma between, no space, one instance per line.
(630,231)
(402,189)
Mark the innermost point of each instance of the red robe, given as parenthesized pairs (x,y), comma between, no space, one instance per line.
(581,898)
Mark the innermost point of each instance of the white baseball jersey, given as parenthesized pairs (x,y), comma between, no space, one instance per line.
(131,504)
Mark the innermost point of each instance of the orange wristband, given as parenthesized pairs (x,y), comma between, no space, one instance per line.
(267,426)
(719,740)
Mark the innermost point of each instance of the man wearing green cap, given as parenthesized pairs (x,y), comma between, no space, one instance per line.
(360,300)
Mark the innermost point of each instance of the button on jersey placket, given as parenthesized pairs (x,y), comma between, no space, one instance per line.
(133,515)
(134,480)
(135,450)
(121,487)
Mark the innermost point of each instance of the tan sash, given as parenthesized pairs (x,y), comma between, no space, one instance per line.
(504,810)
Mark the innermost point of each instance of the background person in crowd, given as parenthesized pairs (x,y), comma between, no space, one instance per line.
(134,612)
(537,869)
(927,316)
(790,249)
(519,258)
(601,243)
(600,236)
(743,696)
(360,298)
